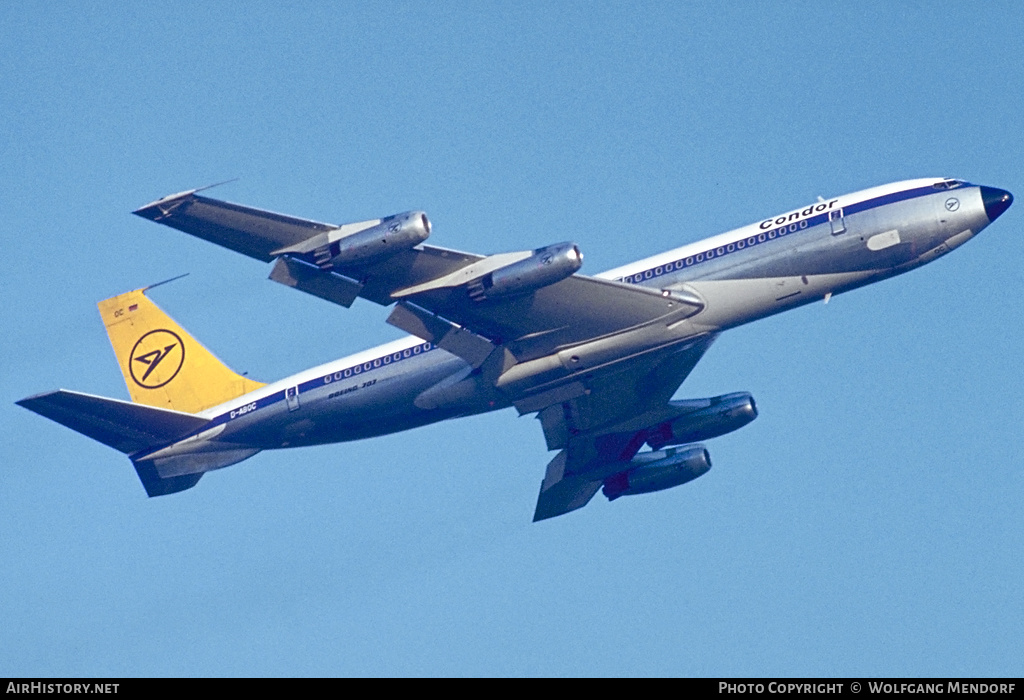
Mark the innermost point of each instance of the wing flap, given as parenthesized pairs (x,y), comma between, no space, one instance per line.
(309,278)
(560,495)
(575,310)
(448,336)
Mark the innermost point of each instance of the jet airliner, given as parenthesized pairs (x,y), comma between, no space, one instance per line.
(596,358)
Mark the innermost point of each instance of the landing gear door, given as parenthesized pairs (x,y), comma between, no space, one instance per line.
(837,221)
(291,395)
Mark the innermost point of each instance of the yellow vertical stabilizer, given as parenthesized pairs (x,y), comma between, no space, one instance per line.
(162,364)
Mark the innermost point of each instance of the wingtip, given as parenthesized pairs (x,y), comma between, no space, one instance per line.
(162,207)
(156,210)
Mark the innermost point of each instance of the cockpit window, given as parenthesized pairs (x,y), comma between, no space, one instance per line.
(949,184)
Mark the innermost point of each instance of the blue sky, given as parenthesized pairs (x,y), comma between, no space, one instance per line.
(868,523)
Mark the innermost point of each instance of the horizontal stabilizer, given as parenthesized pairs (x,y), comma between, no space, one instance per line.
(173,474)
(127,427)
(155,485)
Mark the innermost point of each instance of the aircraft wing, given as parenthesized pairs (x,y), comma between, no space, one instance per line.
(597,359)
(607,425)
(575,310)
(429,282)
(259,233)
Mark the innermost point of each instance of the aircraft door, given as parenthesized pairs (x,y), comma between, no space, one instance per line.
(291,395)
(837,221)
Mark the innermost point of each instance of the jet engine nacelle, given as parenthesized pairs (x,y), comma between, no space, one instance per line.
(705,419)
(656,471)
(546,266)
(392,235)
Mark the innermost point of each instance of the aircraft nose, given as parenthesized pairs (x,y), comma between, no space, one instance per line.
(996,201)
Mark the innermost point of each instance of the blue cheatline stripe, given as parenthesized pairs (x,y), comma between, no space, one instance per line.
(776,232)
(356,370)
